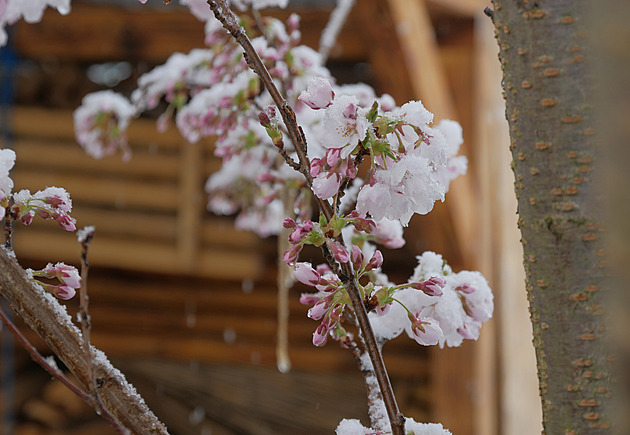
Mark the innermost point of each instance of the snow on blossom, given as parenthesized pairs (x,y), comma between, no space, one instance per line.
(408,186)
(389,233)
(305,64)
(444,317)
(319,93)
(455,165)
(162,81)
(413,113)
(30,10)
(352,427)
(244,5)
(344,124)
(7,160)
(50,203)
(100,124)
(412,427)
(215,110)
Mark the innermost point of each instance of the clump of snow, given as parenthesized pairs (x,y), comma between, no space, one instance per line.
(84,233)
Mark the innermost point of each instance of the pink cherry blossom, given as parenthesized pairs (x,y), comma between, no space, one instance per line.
(426,331)
(319,93)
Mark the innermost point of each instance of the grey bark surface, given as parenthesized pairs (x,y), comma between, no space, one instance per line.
(549,97)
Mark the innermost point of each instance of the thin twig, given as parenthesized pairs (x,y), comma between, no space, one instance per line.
(8,228)
(223,13)
(84,318)
(39,359)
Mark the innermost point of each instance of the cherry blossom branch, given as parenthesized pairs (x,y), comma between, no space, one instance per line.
(42,313)
(56,373)
(223,13)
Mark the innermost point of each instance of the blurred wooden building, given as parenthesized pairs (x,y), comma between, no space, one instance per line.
(185,304)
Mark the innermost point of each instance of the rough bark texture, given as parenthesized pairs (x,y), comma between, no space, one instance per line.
(548,93)
(65,341)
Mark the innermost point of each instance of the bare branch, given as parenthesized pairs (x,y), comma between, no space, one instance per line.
(48,319)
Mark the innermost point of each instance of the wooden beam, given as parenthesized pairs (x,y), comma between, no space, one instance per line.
(142,255)
(189,213)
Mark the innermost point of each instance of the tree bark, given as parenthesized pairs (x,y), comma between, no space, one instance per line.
(548,91)
(49,320)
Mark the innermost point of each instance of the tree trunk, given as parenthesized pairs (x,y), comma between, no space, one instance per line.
(548,92)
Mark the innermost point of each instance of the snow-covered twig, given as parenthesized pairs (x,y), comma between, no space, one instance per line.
(335,23)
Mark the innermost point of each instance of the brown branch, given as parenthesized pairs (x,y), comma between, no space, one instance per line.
(48,319)
(223,13)
(39,359)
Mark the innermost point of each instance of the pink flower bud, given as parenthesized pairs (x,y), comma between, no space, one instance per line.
(356,257)
(465,288)
(66,222)
(431,287)
(306,274)
(339,252)
(64,292)
(376,261)
(332,156)
(289,223)
(316,167)
(291,255)
(322,268)
(318,310)
(319,93)
(264,119)
(326,184)
(320,336)
(309,299)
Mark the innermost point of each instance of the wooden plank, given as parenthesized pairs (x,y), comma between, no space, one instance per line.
(147,255)
(35,122)
(159,227)
(68,155)
(105,33)
(216,231)
(106,191)
(190,212)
